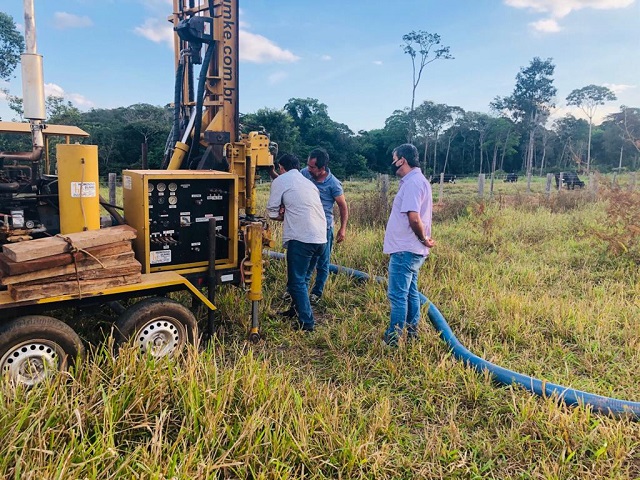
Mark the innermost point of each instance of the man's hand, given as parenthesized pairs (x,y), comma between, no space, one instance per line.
(429,242)
(342,233)
(280,216)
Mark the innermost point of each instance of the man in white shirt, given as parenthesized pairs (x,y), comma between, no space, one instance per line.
(296,201)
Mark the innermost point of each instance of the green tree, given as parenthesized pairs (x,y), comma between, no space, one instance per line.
(431,119)
(61,112)
(572,134)
(628,121)
(588,99)
(277,123)
(317,129)
(152,125)
(530,103)
(11,46)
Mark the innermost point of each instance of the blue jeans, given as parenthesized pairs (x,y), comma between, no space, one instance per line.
(299,256)
(322,265)
(403,295)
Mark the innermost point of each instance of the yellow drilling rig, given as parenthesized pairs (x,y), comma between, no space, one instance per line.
(195,218)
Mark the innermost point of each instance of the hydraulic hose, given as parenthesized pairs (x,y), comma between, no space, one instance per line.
(177,99)
(569,396)
(202,80)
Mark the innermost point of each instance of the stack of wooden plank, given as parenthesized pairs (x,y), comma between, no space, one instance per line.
(76,263)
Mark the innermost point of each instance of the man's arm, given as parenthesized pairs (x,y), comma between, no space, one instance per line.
(275,208)
(415,222)
(272,172)
(344,217)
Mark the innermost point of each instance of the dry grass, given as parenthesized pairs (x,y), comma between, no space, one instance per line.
(535,290)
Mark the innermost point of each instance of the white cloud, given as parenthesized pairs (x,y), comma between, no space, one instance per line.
(80,101)
(258,49)
(253,48)
(156,30)
(546,26)
(64,20)
(377,62)
(326,58)
(557,9)
(618,88)
(53,90)
(277,77)
(562,8)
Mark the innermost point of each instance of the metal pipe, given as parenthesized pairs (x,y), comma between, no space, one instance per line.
(212,280)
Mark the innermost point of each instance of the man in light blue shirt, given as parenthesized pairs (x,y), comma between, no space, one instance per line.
(407,240)
(296,201)
(331,192)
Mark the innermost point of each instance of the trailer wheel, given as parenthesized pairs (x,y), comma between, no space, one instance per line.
(157,326)
(35,347)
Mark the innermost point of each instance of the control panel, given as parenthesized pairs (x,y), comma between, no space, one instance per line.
(171,209)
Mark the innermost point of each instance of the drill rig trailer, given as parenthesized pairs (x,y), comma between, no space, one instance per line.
(196,218)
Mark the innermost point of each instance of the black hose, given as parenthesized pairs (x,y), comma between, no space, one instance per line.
(177,99)
(195,144)
(569,396)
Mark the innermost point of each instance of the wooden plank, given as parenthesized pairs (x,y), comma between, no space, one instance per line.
(9,267)
(28,292)
(88,264)
(128,269)
(44,247)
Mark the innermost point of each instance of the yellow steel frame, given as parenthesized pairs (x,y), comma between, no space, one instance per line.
(149,281)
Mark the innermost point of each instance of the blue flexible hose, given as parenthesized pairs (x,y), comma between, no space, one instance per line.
(569,396)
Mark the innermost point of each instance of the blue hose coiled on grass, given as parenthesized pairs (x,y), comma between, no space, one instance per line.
(569,396)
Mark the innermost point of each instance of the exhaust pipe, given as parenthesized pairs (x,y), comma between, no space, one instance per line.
(32,79)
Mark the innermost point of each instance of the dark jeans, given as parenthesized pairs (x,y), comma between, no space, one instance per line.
(322,266)
(299,257)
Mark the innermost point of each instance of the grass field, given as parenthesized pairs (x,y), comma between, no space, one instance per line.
(545,286)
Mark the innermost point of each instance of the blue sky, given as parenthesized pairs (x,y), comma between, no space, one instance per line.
(345,53)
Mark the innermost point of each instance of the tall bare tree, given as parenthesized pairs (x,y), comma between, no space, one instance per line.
(588,99)
(423,48)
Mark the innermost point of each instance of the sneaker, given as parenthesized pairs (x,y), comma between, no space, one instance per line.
(297,325)
(314,299)
(289,313)
(391,343)
(286,298)
(388,345)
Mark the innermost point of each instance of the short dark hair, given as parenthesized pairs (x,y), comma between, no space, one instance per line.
(409,152)
(321,156)
(289,162)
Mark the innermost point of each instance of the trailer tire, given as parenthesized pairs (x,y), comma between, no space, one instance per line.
(34,347)
(157,326)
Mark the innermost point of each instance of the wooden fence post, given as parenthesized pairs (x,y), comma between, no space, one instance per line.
(384,185)
(481,185)
(548,187)
(112,188)
(441,191)
(593,184)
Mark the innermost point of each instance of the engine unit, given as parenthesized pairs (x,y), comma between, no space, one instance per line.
(171,212)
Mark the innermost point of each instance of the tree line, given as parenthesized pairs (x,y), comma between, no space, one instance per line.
(450,139)
(516,136)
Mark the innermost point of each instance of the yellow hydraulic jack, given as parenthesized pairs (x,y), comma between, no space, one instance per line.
(253,268)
